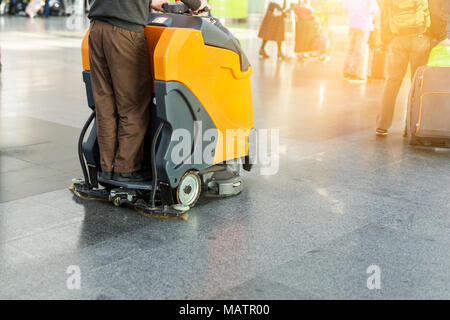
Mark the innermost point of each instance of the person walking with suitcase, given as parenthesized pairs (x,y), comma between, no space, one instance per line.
(361,14)
(410,29)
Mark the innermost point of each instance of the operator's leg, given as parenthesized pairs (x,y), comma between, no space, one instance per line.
(103,96)
(129,61)
(397,66)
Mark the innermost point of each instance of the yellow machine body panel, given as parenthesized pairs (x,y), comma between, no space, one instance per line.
(85,52)
(214,76)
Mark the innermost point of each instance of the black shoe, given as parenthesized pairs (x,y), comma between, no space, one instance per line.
(138,176)
(106,175)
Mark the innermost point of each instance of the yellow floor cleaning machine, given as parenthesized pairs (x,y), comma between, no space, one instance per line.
(201,84)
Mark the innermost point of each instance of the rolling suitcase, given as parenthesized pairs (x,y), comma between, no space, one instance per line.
(321,43)
(306,30)
(428,118)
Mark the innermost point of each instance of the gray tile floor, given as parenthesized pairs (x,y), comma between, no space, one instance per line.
(342,201)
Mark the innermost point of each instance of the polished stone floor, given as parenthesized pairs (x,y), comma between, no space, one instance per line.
(342,200)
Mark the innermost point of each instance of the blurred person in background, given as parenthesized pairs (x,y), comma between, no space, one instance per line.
(273,28)
(361,15)
(410,29)
(311,32)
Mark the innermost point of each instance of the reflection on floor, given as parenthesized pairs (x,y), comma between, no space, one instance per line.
(342,200)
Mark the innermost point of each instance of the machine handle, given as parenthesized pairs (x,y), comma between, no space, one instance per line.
(208,11)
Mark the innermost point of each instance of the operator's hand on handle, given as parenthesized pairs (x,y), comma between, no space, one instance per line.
(158,5)
(203,6)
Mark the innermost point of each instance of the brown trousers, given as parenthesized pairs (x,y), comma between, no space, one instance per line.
(121,83)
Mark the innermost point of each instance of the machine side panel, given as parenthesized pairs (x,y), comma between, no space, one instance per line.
(153,34)
(213,32)
(90,148)
(214,76)
(184,114)
(89,92)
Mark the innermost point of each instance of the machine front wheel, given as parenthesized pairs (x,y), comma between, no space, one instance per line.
(189,189)
(117,202)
